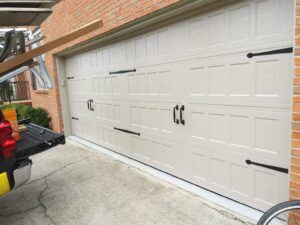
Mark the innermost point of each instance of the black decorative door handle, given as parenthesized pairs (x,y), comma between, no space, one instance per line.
(174,114)
(88,103)
(91,107)
(280,169)
(122,71)
(182,121)
(127,131)
(277,51)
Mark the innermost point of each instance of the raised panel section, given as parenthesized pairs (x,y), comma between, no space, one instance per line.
(267,12)
(163,42)
(166,119)
(216,26)
(143,84)
(165,82)
(132,84)
(218,173)
(197,33)
(267,77)
(244,131)
(154,118)
(240,131)
(200,165)
(199,81)
(240,180)
(134,116)
(199,125)
(218,131)
(218,78)
(151,42)
(263,183)
(240,26)
(140,48)
(144,117)
(266,134)
(240,79)
(130,51)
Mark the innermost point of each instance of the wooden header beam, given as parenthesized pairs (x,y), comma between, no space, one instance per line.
(27,56)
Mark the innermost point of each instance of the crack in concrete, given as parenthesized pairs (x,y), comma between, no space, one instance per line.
(45,209)
(19,212)
(41,204)
(55,171)
(222,212)
(227,214)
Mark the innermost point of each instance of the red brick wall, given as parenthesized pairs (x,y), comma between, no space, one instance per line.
(69,15)
(49,99)
(295,158)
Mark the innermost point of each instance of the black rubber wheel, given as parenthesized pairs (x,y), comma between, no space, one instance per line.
(279,214)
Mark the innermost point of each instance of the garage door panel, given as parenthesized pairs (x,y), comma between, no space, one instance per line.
(79,108)
(109,86)
(240,179)
(261,133)
(153,83)
(235,108)
(240,134)
(240,81)
(111,112)
(152,118)
(84,129)
(80,87)
(124,144)
(105,111)
(200,168)
(164,154)
(219,173)
(223,174)
(72,65)
(106,136)
(243,25)
(209,169)
(145,150)
(272,135)
(264,181)
(246,32)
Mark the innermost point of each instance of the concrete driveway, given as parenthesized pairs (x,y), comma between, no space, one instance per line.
(72,185)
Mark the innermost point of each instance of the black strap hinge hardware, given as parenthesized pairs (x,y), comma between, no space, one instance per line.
(74,118)
(69,78)
(277,51)
(279,169)
(122,71)
(127,131)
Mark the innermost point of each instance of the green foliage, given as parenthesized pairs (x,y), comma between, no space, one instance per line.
(38,115)
(6,91)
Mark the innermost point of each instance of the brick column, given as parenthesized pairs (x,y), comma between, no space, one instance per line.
(295,156)
(294,183)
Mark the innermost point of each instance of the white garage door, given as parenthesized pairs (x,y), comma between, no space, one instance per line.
(186,99)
